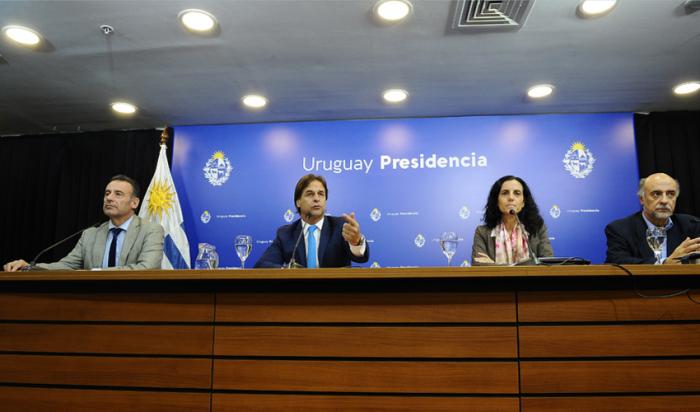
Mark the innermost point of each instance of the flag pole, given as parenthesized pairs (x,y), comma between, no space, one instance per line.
(161,205)
(164,136)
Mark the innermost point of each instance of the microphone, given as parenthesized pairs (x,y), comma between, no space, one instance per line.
(690,258)
(32,264)
(292,262)
(533,256)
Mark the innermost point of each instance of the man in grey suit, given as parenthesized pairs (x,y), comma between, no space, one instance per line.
(125,242)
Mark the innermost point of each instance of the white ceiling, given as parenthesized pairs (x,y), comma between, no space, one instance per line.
(328,59)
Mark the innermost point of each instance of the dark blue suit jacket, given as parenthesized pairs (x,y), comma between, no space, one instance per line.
(627,238)
(333,250)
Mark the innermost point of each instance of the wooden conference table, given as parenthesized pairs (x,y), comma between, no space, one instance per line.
(577,338)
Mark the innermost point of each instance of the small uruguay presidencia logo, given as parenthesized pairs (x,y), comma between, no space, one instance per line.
(205,217)
(579,160)
(464,212)
(288,216)
(419,240)
(465,264)
(555,212)
(375,265)
(375,215)
(217,169)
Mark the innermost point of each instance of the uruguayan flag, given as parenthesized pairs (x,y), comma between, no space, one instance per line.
(161,205)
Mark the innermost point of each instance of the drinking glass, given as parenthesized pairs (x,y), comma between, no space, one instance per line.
(655,238)
(244,243)
(448,244)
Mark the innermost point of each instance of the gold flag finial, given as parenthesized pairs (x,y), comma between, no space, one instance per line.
(164,135)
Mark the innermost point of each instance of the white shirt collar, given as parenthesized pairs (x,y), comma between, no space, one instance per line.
(319,225)
(124,226)
(650,225)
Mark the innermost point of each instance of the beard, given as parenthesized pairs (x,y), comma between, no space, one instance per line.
(662,214)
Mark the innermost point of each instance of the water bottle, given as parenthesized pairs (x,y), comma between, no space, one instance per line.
(207,258)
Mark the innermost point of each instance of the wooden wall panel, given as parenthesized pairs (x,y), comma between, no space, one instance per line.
(123,339)
(610,340)
(364,376)
(366,307)
(613,404)
(367,341)
(610,376)
(106,371)
(321,403)
(611,305)
(17,399)
(39,330)
(127,307)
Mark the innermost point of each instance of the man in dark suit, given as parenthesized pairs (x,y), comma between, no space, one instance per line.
(327,241)
(125,242)
(627,237)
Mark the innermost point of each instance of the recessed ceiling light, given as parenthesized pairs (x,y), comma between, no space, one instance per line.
(686,88)
(123,107)
(22,35)
(254,101)
(539,91)
(595,8)
(395,95)
(392,10)
(197,20)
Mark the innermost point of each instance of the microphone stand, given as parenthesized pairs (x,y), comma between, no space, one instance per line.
(32,264)
(292,262)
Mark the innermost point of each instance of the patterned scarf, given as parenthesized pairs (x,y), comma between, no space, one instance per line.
(510,247)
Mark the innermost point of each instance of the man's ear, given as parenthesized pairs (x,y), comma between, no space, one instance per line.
(135,202)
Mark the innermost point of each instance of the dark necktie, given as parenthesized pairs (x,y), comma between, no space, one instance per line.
(111,262)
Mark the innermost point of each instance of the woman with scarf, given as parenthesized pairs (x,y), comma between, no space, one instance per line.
(513,231)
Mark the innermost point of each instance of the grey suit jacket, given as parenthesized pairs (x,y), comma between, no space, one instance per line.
(142,248)
(484,242)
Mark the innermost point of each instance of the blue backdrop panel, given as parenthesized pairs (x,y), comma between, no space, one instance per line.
(407,180)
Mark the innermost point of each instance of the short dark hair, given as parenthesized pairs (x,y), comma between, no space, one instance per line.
(135,188)
(529,215)
(304,182)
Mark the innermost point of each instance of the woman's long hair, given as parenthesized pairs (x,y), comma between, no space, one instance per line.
(529,215)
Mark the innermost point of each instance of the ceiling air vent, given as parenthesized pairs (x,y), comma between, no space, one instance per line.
(490,14)
(691,6)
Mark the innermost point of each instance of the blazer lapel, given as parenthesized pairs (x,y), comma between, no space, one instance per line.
(131,234)
(673,236)
(300,255)
(324,239)
(491,245)
(99,245)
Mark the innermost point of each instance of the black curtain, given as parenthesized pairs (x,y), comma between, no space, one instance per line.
(669,142)
(52,185)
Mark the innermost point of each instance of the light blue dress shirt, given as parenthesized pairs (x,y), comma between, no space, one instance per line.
(120,242)
(355,250)
(316,235)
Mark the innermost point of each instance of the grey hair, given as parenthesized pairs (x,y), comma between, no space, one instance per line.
(640,189)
